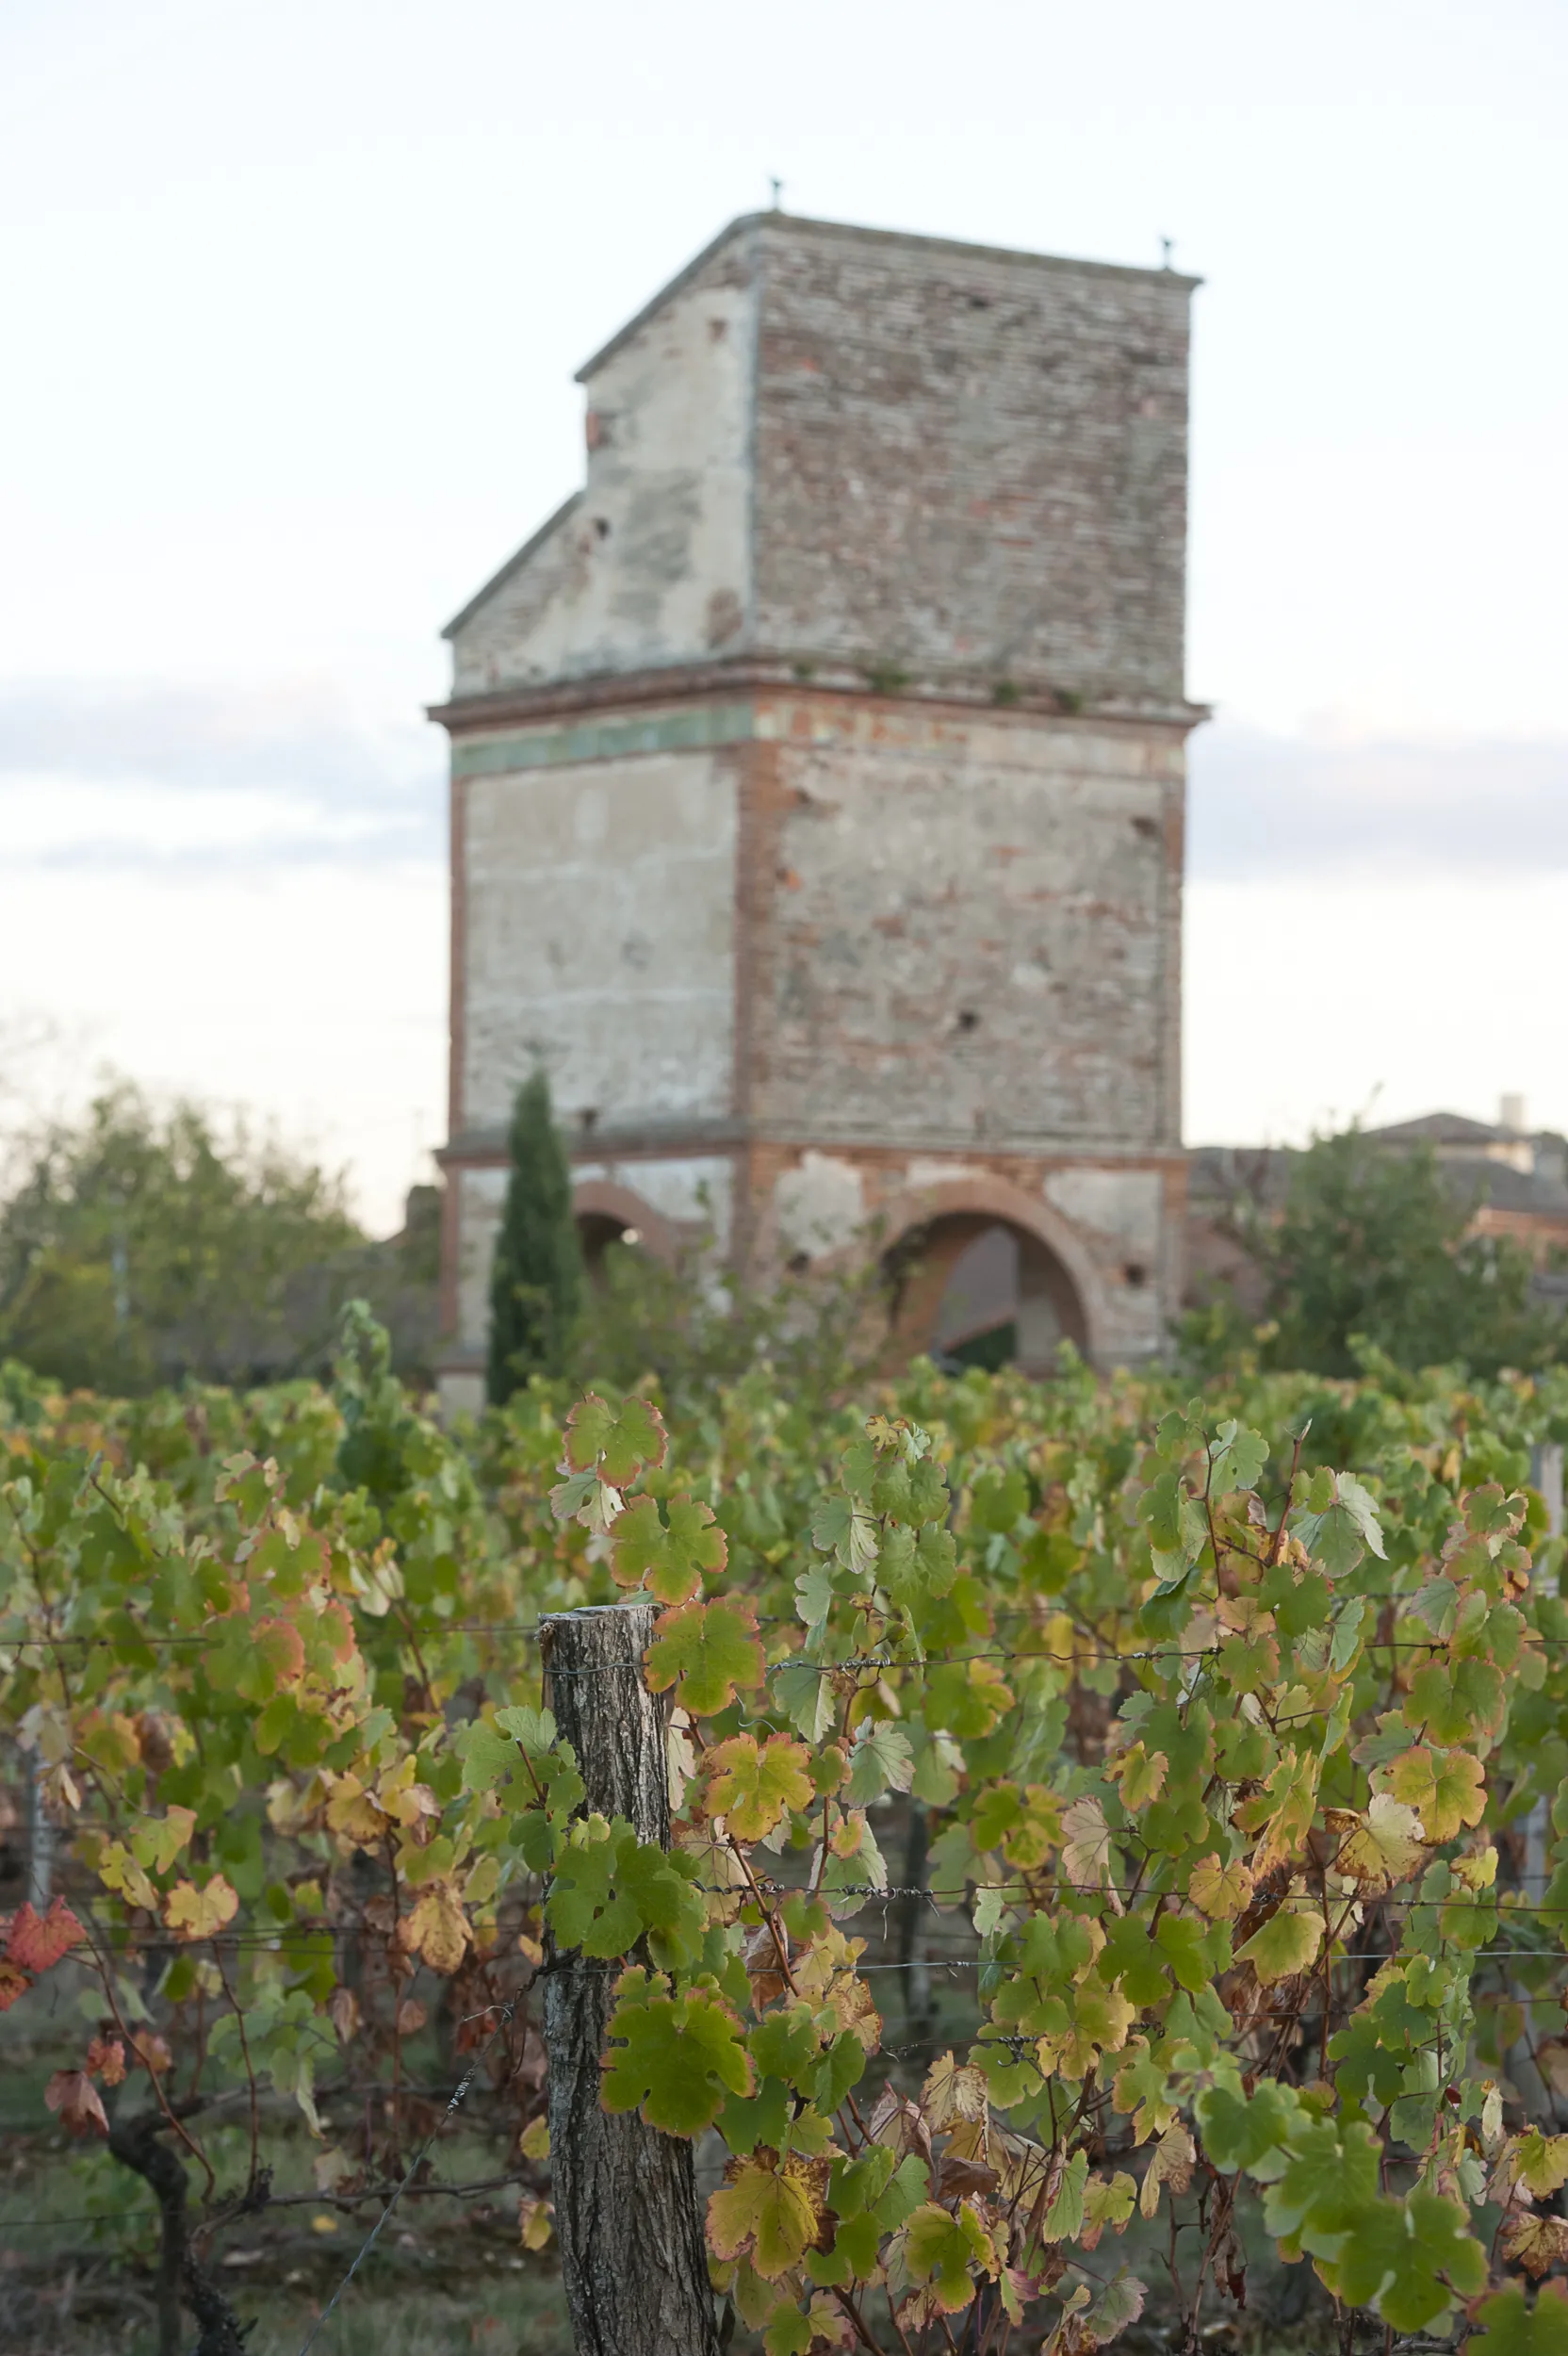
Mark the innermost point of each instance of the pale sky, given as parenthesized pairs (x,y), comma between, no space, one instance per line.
(295,293)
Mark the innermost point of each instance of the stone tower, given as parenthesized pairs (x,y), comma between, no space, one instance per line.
(818,787)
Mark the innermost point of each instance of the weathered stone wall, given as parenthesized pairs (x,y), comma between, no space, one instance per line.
(971,928)
(818,773)
(1113,1227)
(597,938)
(649,564)
(896,453)
(971,460)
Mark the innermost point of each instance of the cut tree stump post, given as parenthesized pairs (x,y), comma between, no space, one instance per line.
(632,2257)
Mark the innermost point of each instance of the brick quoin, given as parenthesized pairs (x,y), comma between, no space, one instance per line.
(818,789)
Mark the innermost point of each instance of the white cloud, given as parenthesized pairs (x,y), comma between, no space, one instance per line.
(1310,1001)
(1336,803)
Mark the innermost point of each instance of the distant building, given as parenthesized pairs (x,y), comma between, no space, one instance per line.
(1515,1179)
(818,782)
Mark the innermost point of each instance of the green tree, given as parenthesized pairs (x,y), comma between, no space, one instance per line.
(138,1248)
(1375,1245)
(536,1279)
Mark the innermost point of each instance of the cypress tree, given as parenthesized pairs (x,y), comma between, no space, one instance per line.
(536,1277)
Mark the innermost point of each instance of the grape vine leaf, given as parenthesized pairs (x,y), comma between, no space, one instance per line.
(669,1554)
(1220,1892)
(37,1941)
(71,2094)
(755,1784)
(1327,2183)
(1285,1944)
(1119,2304)
(710,1648)
(201,1913)
(1514,2328)
(610,1887)
(1386,1846)
(881,1760)
(1337,1522)
(615,1443)
(1407,2258)
(768,2209)
(939,2248)
(1446,1789)
(842,1527)
(679,2057)
(1236,1458)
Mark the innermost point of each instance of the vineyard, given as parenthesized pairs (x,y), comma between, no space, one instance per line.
(1103,1879)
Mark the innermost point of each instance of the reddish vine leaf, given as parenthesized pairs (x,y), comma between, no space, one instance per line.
(72,2094)
(35,1941)
(106,2059)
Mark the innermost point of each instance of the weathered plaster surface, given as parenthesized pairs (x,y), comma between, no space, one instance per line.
(819,1205)
(1120,1206)
(650,565)
(599,938)
(481,1194)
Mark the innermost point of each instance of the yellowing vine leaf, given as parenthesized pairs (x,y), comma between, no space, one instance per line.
(437,1928)
(1283,1810)
(940,2248)
(767,2209)
(1087,1848)
(1446,1789)
(1170,2162)
(1220,1892)
(201,1913)
(1535,2242)
(754,1785)
(1386,1847)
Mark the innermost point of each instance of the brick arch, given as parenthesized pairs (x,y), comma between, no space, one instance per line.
(959,1209)
(603,1200)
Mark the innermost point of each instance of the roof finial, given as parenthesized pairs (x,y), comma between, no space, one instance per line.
(778,188)
(1167,247)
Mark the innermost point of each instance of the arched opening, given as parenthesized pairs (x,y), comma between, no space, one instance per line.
(596,1230)
(973,1290)
(607,1212)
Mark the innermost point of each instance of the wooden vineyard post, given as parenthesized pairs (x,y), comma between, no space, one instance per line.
(632,2257)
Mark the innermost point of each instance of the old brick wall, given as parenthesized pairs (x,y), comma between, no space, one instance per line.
(971,462)
(969,929)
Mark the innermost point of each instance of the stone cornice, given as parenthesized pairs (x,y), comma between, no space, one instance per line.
(793,676)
